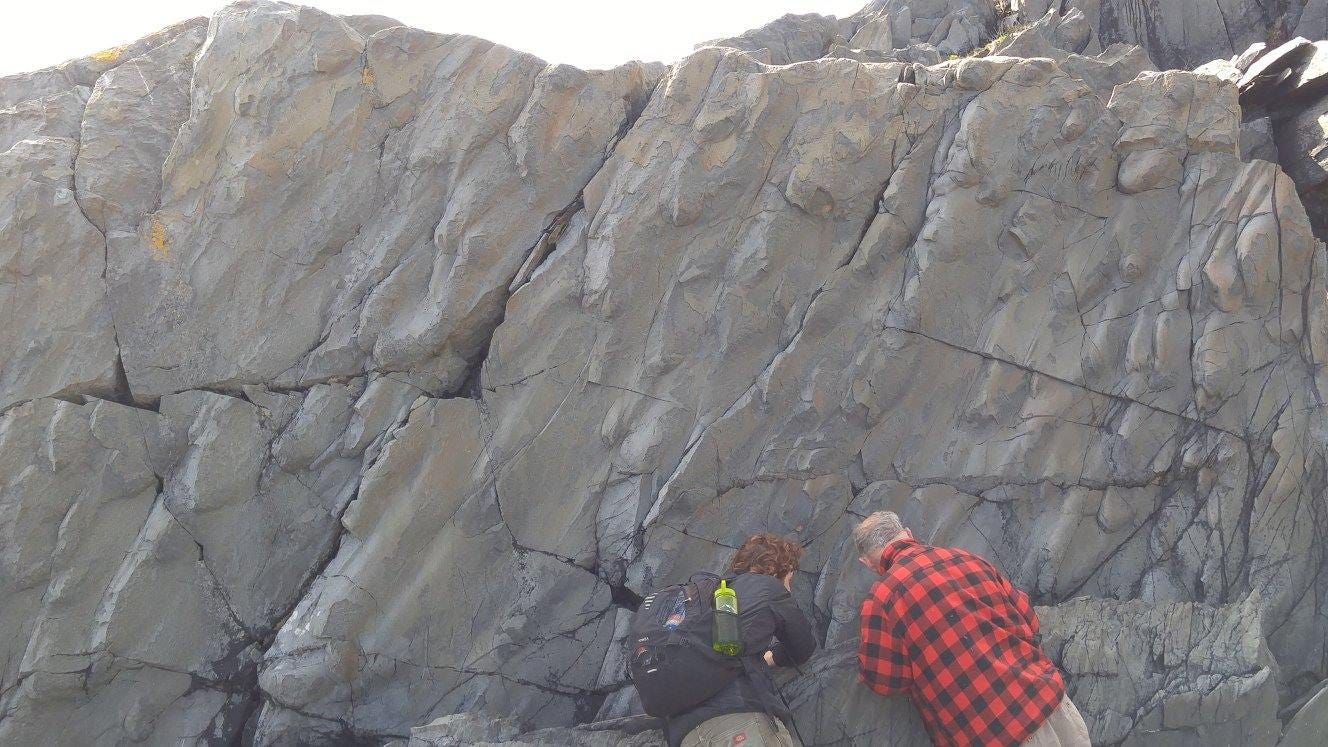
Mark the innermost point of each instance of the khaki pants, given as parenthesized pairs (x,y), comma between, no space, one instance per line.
(745,729)
(1063,728)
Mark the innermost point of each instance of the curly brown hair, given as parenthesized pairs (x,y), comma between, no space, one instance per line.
(767,553)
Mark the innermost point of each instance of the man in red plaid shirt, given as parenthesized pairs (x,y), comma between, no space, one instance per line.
(944,627)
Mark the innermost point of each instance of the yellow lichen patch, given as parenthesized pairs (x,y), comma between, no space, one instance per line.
(161,251)
(109,55)
(367,77)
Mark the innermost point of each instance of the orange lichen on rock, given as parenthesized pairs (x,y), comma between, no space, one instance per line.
(157,240)
(108,55)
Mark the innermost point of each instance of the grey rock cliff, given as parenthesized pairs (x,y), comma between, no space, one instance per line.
(1188,33)
(358,379)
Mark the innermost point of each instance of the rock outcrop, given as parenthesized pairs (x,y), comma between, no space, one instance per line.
(883,29)
(360,379)
(1284,98)
(1189,33)
(463,730)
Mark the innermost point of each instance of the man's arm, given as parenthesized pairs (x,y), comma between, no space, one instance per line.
(1023,605)
(1018,599)
(795,641)
(1025,608)
(882,665)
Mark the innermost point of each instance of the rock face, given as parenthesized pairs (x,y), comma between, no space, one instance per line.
(360,379)
(1181,672)
(883,29)
(1284,99)
(1188,33)
(463,730)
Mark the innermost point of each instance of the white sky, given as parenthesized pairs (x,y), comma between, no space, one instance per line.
(586,33)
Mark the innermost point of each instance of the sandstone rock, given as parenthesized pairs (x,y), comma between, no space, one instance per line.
(883,26)
(59,338)
(53,243)
(828,701)
(922,54)
(952,26)
(516,659)
(83,72)
(879,32)
(1303,140)
(473,729)
(80,481)
(1179,673)
(1187,33)
(1311,80)
(1313,22)
(358,138)
(1223,70)
(1256,140)
(1283,92)
(1243,60)
(763,442)
(1068,32)
(1062,38)
(1309,725)
(1284,80)
(428,359)
(792,38)
(56,116)
(368,25)
(228,504)
(118,172)
(463,729)
(1275,72)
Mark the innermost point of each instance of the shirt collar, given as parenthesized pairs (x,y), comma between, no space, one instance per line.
(891,552)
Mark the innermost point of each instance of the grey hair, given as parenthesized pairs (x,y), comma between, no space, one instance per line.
(876,531)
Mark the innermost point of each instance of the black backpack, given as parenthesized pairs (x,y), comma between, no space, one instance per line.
(669,657)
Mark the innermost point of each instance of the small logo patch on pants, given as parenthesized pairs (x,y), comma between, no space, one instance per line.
(739,738)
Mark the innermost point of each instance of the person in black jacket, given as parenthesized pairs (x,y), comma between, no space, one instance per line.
(774,633)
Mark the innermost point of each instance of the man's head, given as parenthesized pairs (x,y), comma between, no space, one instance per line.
(769,554)
(874,533)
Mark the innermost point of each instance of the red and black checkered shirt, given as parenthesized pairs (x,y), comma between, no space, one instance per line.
(946,628)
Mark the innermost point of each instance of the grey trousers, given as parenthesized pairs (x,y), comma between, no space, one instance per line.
(745,729)
(1063,728)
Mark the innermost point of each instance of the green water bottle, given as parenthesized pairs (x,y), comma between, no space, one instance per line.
(725,636)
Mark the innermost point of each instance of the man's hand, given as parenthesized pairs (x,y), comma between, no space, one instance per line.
(770,658)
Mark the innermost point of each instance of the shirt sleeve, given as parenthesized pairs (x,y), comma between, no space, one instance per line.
(1018,599)
(882,665)
(1025,608)
(796,643)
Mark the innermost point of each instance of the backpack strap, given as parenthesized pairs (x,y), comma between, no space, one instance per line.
(706,575)
(714,578)
(765,703)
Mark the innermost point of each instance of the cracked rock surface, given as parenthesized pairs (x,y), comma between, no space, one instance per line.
(358,380)
(1189,33)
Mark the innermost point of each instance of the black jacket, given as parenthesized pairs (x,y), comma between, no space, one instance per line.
(770,621)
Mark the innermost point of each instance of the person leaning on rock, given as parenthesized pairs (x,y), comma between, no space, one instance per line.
(775,630)
(945,628)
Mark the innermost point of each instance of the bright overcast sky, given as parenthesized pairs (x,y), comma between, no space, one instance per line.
(586,33)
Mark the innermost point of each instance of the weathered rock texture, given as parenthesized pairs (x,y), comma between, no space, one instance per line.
(463,730)
(1284,97)
(884,29)
(357,376)
(1188,33)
